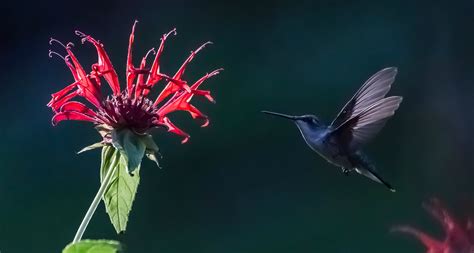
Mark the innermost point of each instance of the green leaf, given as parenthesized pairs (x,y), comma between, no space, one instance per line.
(131,146)
(151,148)
(121,189)
(91,147)
(93,246)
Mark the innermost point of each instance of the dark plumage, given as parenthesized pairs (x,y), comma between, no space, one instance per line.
(358,122)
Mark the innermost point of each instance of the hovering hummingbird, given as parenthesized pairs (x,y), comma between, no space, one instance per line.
(359,121)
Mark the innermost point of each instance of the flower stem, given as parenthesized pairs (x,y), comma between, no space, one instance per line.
(94,204)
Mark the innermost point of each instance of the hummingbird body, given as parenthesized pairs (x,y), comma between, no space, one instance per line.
(359,121)
(320,141)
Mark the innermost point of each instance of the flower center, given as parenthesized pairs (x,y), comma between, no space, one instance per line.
(123,111)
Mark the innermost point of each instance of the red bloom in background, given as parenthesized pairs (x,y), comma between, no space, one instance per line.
(129,108)
(459,237)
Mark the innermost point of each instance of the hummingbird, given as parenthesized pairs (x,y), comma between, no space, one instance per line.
(363,116)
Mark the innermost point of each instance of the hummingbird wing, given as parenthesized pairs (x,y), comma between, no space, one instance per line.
(374,89)
(364,126)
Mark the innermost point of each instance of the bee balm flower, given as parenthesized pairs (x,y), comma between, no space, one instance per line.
(459,238)
(130,108)
(124,117)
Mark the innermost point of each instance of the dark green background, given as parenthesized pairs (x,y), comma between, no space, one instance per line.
(247,183)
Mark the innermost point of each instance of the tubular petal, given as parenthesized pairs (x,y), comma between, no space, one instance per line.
(130,108)
(181,70)
(181,100)
(172,87)
(55,104)
(154,76)
(74,106)
(63,92)
(435,208)
(89,90)
(130,68)
(140,85)
(458,238)
(70,116)
(429,242)
(195,86)
(181,104)
(173,129)
(105,67)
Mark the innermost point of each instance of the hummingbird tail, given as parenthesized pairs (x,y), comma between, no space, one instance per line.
(374,176)
(366,168)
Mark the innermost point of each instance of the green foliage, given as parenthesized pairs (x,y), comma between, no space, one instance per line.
(120,171)
(133,147)
(91,147)
(121,189)
(130,146)
(93,246)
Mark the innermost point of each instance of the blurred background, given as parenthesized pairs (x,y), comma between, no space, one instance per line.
(246,183)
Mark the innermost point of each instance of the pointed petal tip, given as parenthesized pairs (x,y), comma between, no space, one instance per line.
(173,31)
(186,139)
(206,123)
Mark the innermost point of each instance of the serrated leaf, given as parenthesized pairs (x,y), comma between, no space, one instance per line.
(93,246)
(130,146)
(120,192)
(91,147)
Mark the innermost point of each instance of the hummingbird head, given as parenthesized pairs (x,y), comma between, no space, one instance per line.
(303,122)
(308,122)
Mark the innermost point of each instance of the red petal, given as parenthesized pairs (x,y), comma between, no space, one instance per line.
(154,76)
(206,94)
(173,129)
(182,100)
(173,87)
(431,244)
(130,74)
(182,105)
(140,85)
(435,208)
(71,68)
(181,70)
(205,77)
(195,86)
(104,65)
(55,104)
(60,94)
(88,88)
(75,106)
(71,116)
(64,91)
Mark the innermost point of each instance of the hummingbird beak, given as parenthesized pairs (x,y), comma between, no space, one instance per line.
(281,115)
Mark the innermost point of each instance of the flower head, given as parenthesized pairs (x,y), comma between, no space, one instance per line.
(130,107)
(459,237)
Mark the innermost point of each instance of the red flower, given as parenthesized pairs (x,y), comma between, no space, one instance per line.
(459,238)
(129,108)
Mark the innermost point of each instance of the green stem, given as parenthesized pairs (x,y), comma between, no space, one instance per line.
(94,204)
